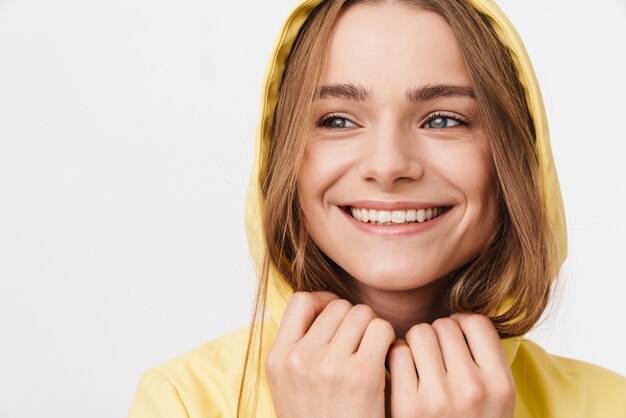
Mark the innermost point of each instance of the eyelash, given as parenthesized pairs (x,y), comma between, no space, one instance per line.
(466,122)
(320,122)
(456,118)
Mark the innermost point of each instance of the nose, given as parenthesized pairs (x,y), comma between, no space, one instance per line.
(391,157)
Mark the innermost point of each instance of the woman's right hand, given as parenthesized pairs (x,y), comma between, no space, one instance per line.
(328,359)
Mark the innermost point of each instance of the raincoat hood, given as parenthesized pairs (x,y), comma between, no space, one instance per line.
(279,290)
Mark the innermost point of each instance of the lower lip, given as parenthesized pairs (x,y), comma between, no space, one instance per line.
(400,229)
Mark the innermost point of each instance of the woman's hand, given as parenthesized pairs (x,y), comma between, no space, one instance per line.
(328,359)
(454,378)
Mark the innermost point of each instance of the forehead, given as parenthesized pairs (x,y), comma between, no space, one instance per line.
(391,46)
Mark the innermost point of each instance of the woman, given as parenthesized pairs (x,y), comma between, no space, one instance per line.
(403,185)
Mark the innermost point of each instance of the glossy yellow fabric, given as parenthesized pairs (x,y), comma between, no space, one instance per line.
(205,382)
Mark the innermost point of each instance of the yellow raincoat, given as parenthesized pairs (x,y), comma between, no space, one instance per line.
(204,383)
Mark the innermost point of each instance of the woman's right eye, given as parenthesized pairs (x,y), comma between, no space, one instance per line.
(335,122)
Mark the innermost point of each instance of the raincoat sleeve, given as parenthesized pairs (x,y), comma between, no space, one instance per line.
(156,397)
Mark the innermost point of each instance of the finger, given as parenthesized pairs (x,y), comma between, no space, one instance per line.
(326,324)
(351,331)
(424,345)
(378,337)
(454,350)
(404,380)
(482,339)
(301,311)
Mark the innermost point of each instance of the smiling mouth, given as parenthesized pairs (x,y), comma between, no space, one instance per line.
(395,217)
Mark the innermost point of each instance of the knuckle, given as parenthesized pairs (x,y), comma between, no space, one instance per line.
(271,363)
(295,362)
(362,310)
(301,298)
(339,305)
(504,391)
(460,316)
(444,323)
(480,320)
(418,332)
(381,326)
(473,395)
(327,371)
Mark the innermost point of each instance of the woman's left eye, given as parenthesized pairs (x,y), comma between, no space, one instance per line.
(444,121)
(335,122)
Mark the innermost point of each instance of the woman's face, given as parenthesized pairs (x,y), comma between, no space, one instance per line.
(398,140)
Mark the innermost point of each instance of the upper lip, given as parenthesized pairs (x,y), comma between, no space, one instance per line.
(401,205)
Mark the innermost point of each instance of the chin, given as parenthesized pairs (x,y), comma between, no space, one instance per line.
(394,277)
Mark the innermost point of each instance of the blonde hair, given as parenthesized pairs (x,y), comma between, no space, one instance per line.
(510,280)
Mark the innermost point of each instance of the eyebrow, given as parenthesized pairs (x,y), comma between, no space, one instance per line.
(343,91)
(430,92)
(356,93)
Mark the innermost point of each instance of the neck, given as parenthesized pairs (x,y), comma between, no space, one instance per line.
(405,308)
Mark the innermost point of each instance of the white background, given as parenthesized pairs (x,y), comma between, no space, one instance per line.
(126,139)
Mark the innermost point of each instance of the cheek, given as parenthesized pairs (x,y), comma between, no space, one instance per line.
(324,165)
(470,171)
(482,206)
(474,175)
(310,182)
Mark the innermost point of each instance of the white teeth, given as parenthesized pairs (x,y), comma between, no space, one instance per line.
(421,215)
(398,216)
(384,216)
(387,217)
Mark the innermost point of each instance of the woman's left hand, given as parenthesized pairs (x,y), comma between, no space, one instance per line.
(452,368)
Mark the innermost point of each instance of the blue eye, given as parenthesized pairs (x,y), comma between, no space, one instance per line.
(441,121)
(334,122)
